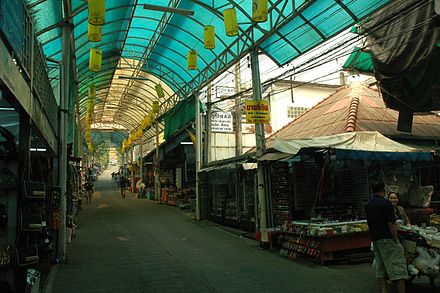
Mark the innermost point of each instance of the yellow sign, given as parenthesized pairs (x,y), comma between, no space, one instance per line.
(257,112)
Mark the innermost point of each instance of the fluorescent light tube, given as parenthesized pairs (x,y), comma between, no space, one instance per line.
(37,149)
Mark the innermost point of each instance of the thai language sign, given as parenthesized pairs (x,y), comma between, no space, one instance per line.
(257,112)
(221,122)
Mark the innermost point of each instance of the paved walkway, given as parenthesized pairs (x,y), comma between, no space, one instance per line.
(134,245)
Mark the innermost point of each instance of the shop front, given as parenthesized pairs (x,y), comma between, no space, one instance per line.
(230,192)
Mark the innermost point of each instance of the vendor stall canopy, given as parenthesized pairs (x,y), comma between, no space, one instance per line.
(139,40)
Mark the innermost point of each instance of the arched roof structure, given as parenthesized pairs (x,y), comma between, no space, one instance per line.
(153,45)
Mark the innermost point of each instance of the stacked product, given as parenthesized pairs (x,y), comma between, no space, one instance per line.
(280,194)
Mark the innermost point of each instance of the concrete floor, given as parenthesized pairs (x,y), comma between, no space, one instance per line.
(135,245)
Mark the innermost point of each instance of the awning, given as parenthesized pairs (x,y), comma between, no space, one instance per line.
(274,156)
(365,145)
(229,165)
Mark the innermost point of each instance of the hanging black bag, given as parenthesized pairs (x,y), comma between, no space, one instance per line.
(26,251)
(31,219)
(8,148)
(34,190)
(3,217)
(8,180)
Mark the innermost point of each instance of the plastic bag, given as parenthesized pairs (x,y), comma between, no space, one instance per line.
(427,261)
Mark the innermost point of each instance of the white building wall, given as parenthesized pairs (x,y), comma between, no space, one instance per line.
(303,96)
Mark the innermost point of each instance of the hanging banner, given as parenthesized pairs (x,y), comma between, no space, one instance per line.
(257,112)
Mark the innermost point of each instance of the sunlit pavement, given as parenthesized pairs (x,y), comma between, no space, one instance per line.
(135,245)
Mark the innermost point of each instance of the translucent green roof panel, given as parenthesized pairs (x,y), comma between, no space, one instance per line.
(140,42)
(314,23)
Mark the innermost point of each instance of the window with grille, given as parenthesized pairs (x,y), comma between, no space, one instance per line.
(294,112)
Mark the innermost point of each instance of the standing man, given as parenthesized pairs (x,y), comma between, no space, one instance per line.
(122,185)
(388,252)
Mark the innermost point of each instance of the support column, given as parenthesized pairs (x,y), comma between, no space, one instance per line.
(238,131)
(208,124)
(259,135)
(64,115)
(198,151)
(141,164)
(157,167)
(133,160)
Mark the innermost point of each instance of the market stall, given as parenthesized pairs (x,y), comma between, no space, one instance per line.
(329,183)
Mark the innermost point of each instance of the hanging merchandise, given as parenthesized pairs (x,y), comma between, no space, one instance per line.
(159,91)
(192,60)
(8,147)
(209,37)
(152,117)
(97,12)
(155,107)
(259,10)
(94,33)
(95,60)
(230,19)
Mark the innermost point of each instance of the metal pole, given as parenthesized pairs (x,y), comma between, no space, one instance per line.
(208,124)
(198,151)
(133,160)
(64,112)
(238,132)
(157,167)
(259,135)
(141,164)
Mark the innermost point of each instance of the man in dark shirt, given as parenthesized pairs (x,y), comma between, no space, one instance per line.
(388,253)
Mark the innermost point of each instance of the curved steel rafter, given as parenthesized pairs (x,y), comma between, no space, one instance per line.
(142,91)
(84,71)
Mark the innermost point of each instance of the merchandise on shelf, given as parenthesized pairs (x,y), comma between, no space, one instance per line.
(280,194)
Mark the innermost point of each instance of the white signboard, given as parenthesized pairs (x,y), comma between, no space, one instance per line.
(222,122)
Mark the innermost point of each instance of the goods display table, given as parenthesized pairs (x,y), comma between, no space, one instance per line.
(422,251)
(323,242)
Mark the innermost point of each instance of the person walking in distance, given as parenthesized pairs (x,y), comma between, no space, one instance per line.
(388,252)
(89,189)
(122,185)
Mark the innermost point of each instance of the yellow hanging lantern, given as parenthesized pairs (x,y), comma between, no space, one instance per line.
(97,12)
(139,133)
(259,10)
(152,117)
(159,91)
(192,60)
(230,19)
(92,92)
(95,60)
(155,107)
(94,33)
(209,37)
(145,122)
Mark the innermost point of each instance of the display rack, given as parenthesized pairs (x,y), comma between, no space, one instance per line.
(281,194)
(324,248)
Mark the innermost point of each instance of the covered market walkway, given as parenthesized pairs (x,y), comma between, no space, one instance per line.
(135,245)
